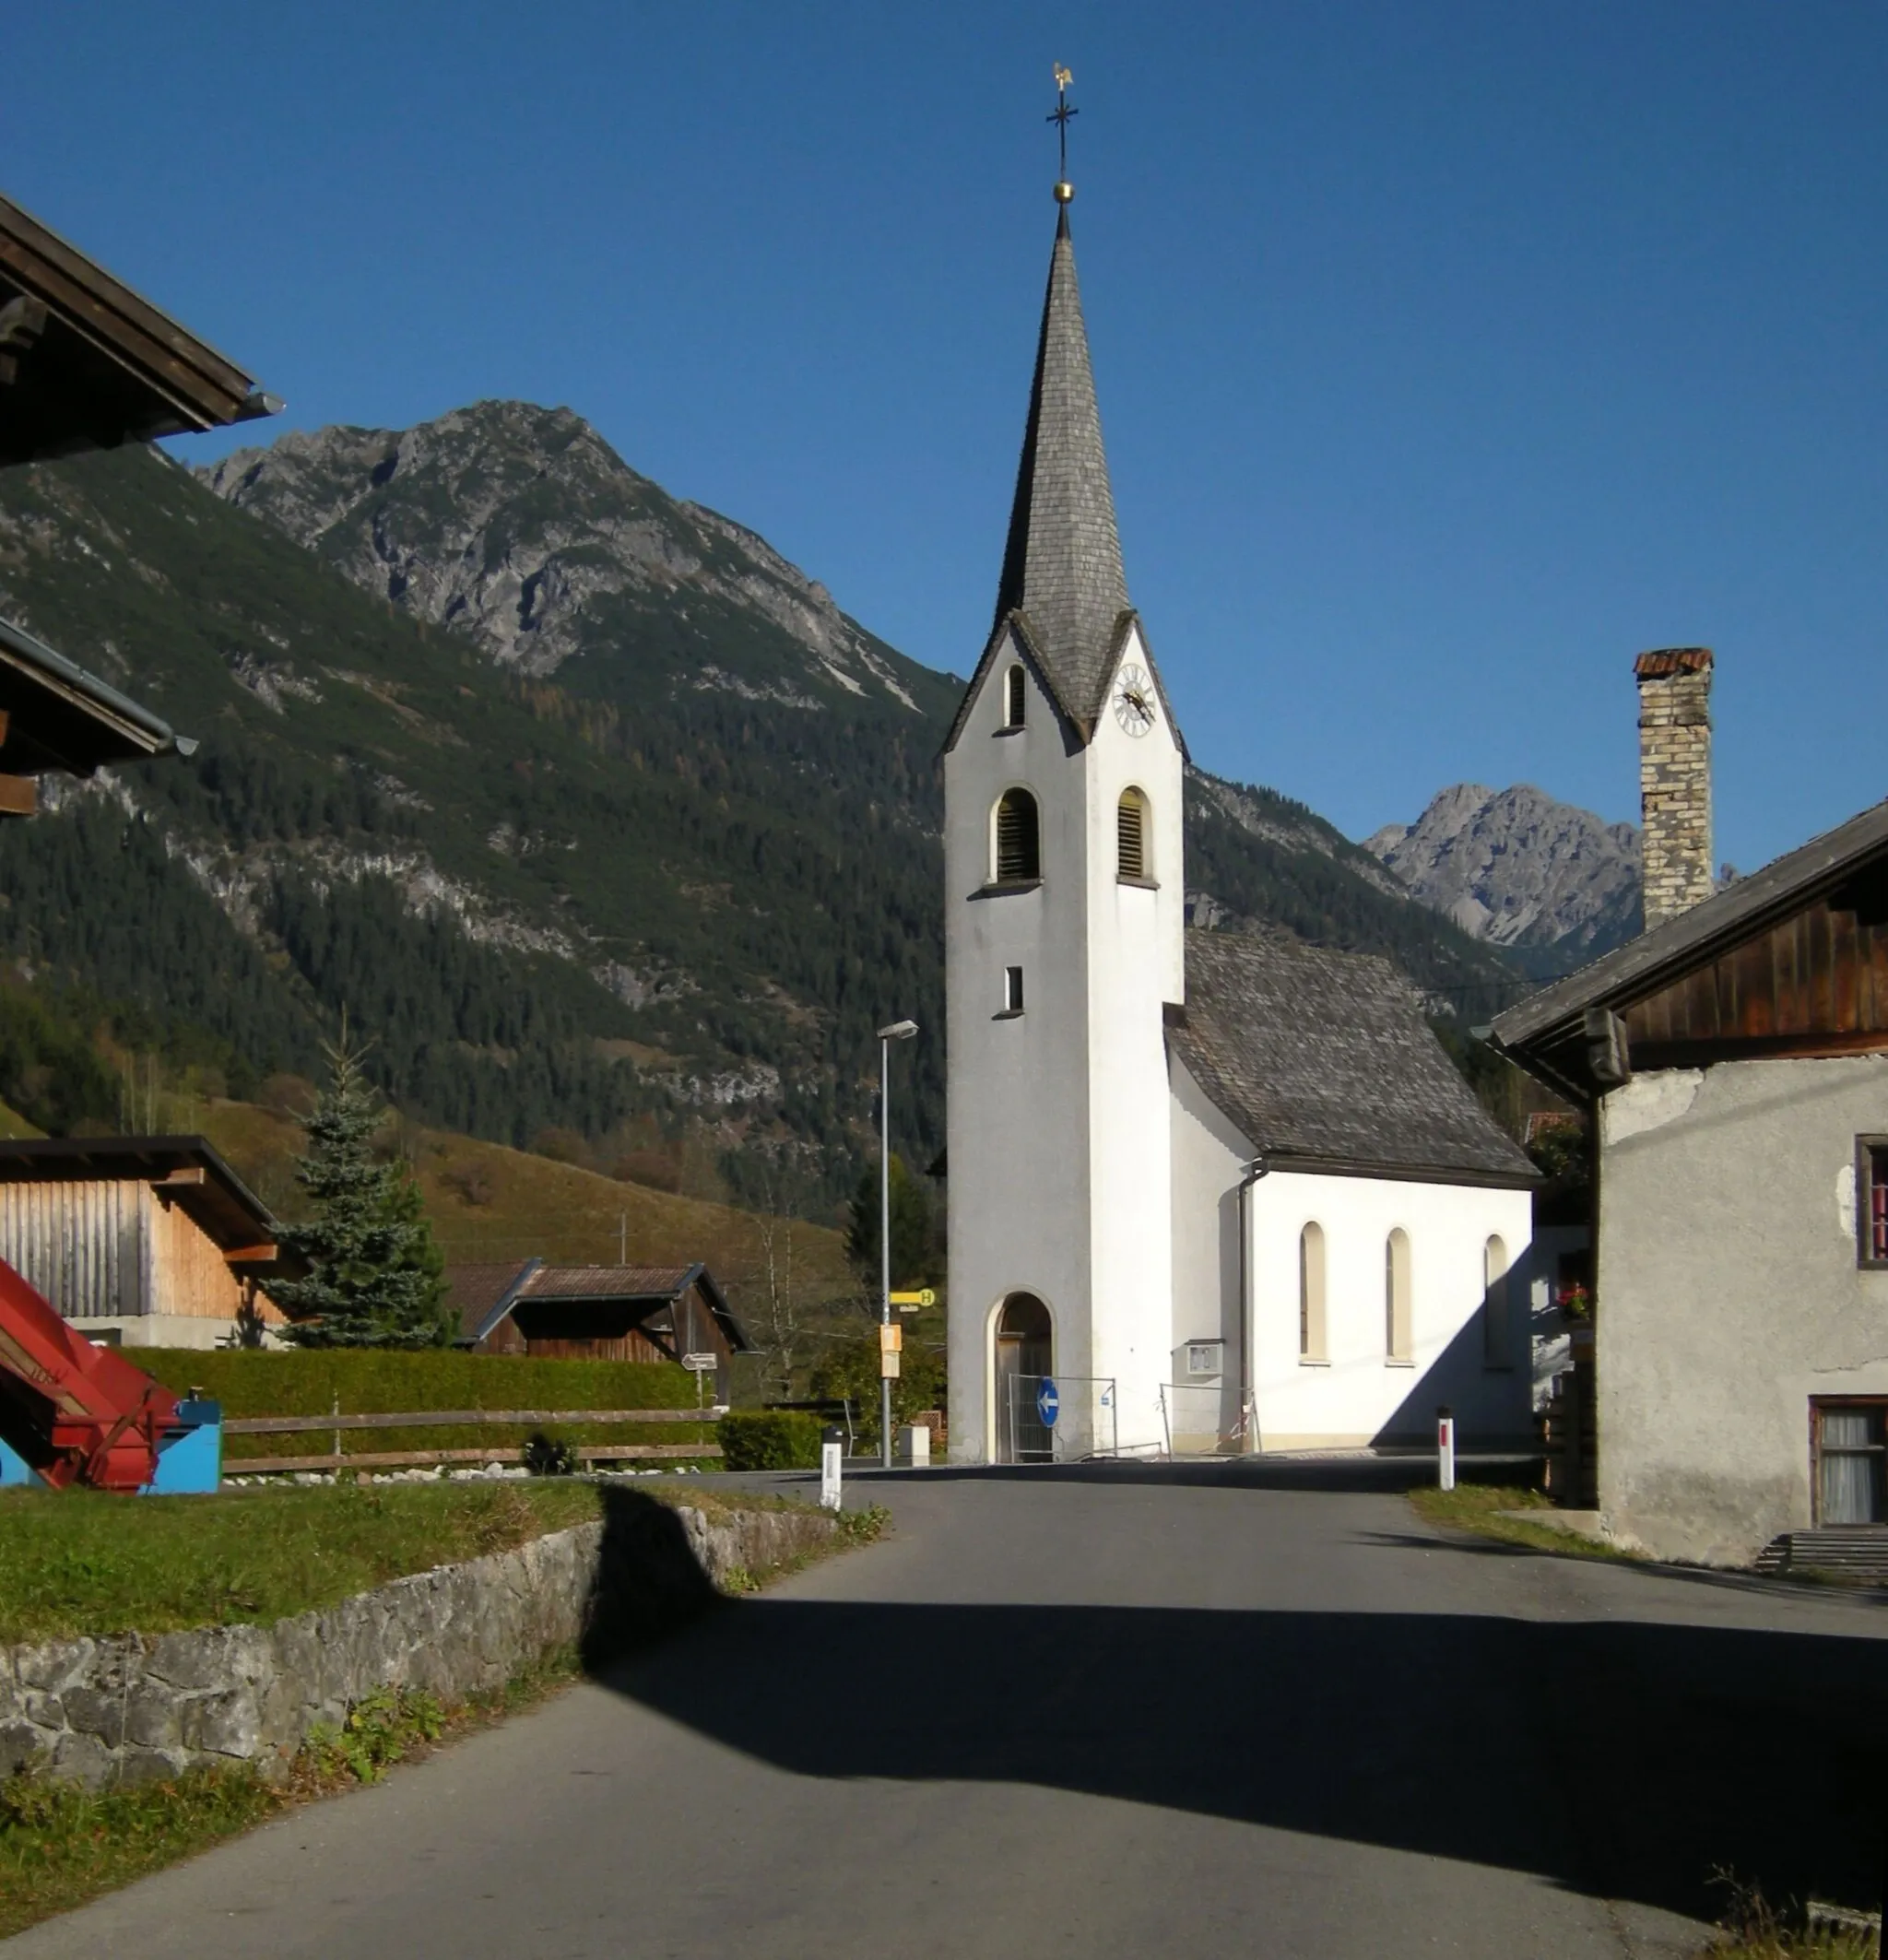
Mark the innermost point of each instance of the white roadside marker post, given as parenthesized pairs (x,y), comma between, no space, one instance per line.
(1445,1450)
(831,1455)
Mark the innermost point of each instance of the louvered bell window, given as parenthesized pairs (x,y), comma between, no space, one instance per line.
(1014,698)
(1130,819)
(1019,847)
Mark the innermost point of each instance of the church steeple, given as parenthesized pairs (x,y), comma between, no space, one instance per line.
(1062,564)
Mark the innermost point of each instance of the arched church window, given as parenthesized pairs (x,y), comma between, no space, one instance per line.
(1311,1335)
(1131,831)
(1018,838)
(1015,698)
(1494,1304)
(1396,1296)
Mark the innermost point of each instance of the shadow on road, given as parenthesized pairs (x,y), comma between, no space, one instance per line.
(1626,1760)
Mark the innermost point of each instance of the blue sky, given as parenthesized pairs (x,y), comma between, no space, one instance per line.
(1450,354)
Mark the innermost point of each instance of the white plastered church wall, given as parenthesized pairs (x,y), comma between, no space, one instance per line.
(1134,963)
(1018,1110)
(1209,1158)
(1359,1395)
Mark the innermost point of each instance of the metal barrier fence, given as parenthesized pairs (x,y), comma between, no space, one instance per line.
(1201,1421)
(1058,1418)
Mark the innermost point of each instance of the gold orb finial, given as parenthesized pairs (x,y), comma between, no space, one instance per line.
(1064,192)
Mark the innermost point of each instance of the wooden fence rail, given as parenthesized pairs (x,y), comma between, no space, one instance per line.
(419,1459)
(281,1425)
(276,1425)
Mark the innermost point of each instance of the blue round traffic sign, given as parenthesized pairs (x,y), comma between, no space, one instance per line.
(1049,1404)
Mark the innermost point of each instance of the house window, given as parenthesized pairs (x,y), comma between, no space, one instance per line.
(1018,840)
(1012,990)
(1203,1357)
(1131,824)
(1494,1304)
(1396,1297)
(1849,1441)
(1872,1201)
(1015,698)
(1311,1335)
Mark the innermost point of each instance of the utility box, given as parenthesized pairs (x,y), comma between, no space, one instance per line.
(192,1461)
(914,1445)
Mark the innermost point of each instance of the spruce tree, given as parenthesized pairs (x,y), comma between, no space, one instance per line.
(375,1273)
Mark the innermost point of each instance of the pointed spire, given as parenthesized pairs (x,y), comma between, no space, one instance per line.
(1062,564)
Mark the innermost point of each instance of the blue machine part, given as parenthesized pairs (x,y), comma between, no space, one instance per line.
(191,1461)
(14,1468)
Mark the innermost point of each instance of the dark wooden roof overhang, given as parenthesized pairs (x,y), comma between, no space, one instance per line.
(186,1171)
(1573,1036)
(55,715)
(86,363)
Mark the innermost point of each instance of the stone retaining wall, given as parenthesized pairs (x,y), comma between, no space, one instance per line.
(134,1708)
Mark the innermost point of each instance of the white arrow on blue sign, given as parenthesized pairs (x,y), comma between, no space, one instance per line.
(1049,1404)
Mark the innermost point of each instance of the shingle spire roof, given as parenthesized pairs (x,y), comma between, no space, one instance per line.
(1062,564)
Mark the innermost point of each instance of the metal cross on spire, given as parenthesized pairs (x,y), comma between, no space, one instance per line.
(1059,116)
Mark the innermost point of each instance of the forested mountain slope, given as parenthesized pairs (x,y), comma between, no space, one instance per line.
(597,817)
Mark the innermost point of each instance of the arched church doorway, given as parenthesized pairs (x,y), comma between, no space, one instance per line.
(1025,1354)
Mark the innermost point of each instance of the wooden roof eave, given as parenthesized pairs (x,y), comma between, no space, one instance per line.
(200,387)
(1629,974)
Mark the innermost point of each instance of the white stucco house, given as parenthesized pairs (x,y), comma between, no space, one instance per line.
(1734,1060)
(1223,1192)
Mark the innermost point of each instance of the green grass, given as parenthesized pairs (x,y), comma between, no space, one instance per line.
(1478,1506)
(60,1844)
(85,1563)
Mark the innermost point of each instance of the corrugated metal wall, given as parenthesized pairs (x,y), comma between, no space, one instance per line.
(84,1246)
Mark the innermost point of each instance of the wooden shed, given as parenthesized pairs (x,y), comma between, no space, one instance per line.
(597,1313)
(140,1241)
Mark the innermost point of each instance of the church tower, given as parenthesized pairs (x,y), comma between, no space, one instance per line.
(1064,912)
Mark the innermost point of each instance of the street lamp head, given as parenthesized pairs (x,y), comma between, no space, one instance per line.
(899,1030)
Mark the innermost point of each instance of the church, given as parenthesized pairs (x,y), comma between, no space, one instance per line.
(1209,1192)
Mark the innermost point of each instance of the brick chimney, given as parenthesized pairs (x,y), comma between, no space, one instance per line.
(1674,779)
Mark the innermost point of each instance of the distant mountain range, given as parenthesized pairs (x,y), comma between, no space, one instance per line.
(612,832)
(1551,884)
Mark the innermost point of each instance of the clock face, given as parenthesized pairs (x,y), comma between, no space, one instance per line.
(1134,701)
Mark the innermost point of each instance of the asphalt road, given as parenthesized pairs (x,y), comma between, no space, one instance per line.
(1132,1713)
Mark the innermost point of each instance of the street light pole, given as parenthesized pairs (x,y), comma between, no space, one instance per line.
(898,1030)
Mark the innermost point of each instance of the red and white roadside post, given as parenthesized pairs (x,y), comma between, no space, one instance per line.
(1445,1450)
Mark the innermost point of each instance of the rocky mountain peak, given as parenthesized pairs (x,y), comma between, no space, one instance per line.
(1518,869)
(519,526)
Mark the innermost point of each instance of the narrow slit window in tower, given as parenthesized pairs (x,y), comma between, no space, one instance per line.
(1012,990)
(1015,698)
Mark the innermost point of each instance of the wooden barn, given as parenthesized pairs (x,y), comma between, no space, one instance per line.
(597,1313)
(140,1241)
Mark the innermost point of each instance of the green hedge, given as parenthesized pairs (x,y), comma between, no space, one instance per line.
(769,1439)
(369,1381)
